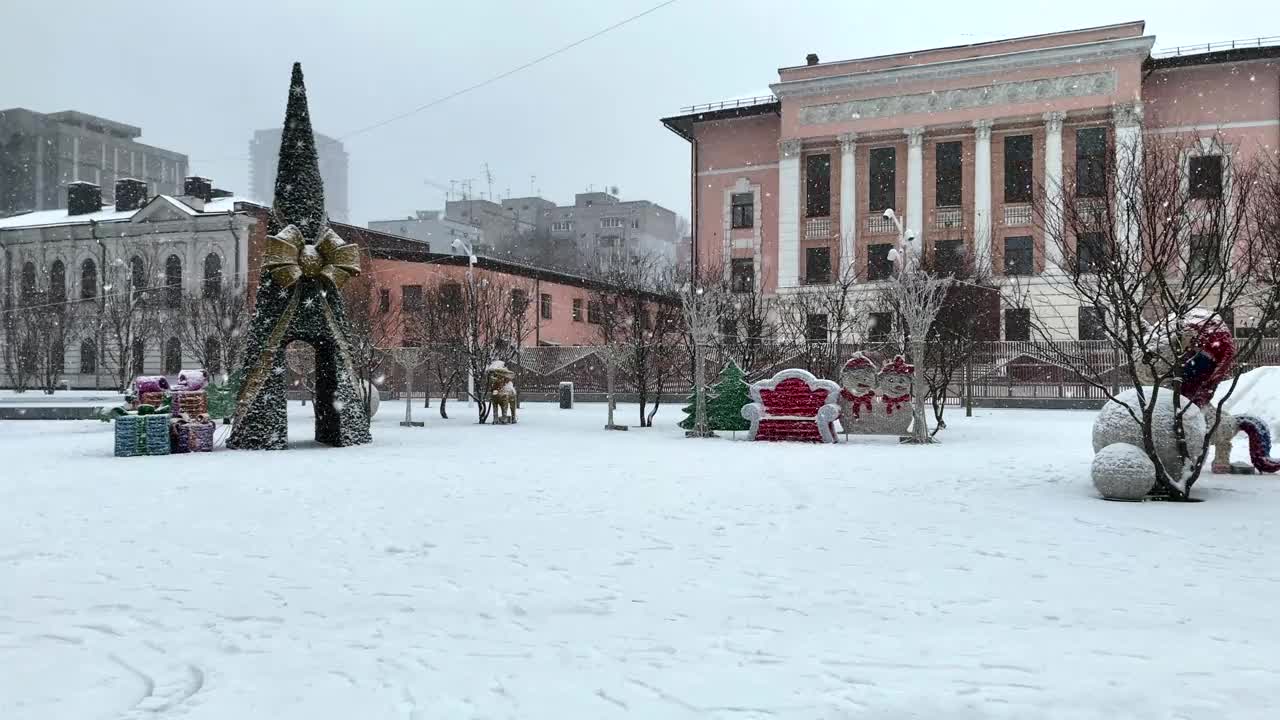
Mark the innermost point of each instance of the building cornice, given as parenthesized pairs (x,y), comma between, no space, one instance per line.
(1139,47)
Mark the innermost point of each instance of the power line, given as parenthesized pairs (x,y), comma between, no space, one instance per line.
(508,73)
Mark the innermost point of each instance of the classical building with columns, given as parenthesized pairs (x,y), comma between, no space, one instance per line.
(790,191)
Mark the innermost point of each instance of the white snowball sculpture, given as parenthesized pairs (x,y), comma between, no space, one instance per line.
(1114,425)
(1123,472)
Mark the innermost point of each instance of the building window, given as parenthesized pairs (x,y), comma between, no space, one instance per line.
(1205,255)
(577,309)
(1019,257)
(1090,252)
(884,178)
(949,172)
(880,326)
(879,266)
(593,312)
(743,275)
(743,206)
(562,226)
(28,287)
(451,296)
(948,256)
(173,282)
(815,327)
(519,302)
(817,186)
(1206,177)
(1091,322)
(213,355)
(635,224)
(57,282)
(611,222)
(138,355)
(88,280)
(212,275)
(1091,162)
(137,276)
(817,266)
(88,357)
(1017,168)
(384,300)
(544,306)
(411,298)
(172,356)
(1017,324)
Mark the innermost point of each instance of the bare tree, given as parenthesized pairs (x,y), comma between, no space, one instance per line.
(1141,242)
(638,329)
(212,326)
(300,357)
(916,294)
(702,309)
(494,314)
(372,328)
(129,318)
(443,328)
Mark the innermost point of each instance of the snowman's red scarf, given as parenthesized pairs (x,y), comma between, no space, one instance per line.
(893,403)
(857,401)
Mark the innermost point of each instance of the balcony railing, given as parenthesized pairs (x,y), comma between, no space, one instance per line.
(948,218)
(1017,215)
(818,228)
(726,104)
(1215,46)
(878,224)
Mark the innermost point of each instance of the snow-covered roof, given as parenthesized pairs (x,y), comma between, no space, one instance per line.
(108,213)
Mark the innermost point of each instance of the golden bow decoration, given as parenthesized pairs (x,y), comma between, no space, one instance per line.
(289,257)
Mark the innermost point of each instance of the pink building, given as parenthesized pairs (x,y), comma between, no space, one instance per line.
(791,190)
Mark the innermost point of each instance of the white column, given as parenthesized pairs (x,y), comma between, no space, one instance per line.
(75,159)
(789,214)
(982,196)
(1128,145)
(1053,188)
(848,202)
(915,183)
(40,172)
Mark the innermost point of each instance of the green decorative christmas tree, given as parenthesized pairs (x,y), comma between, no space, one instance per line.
(691,413)
(304,266)
(728,396)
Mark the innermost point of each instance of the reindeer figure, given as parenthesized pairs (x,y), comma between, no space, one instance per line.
(502,393)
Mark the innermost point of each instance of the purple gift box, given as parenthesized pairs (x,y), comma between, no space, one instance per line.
(191,435)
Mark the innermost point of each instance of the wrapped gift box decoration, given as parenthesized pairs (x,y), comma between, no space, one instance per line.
(192,380)
(192,434)
(142,435)
(188,402)
(154,399)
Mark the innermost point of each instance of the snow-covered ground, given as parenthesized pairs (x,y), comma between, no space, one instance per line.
(554,570)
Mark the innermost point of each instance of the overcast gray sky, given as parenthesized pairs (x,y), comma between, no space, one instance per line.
(199,78)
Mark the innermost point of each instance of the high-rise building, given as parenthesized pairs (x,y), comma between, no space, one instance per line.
(41,153)
(264,153)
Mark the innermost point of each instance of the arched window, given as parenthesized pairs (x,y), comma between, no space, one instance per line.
(139,353)
(172,356)
(88,280)
(137,275)
(57,282)
(28,287)
(173,281)
(212,356)
(212,275)
(88,357)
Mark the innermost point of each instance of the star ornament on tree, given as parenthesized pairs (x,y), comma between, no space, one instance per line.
(289,257)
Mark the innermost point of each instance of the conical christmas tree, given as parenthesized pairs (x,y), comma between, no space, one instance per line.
(729,395)
(691,412)
(304,266)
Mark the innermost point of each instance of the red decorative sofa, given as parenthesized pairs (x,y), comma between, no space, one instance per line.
(793,405)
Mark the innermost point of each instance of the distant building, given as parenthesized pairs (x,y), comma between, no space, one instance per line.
(264,153)
(40,154)
(432,229)
(608,230)
(195,240)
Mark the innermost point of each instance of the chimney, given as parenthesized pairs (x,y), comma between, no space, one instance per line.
(197,187)
(131,194)
(811,59)
(83,198)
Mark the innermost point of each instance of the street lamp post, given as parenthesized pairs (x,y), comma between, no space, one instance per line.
(460,244)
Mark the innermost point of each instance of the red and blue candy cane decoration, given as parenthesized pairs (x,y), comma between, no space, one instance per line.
(1259,443)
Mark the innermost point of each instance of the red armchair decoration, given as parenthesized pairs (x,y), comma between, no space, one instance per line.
(793,405)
